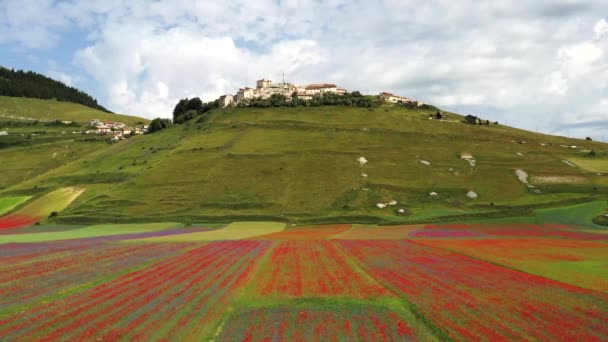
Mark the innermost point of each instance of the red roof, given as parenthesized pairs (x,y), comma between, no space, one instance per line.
(320,86)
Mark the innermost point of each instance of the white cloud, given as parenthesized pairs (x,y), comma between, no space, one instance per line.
(146,71)
(582,53)
(600,28)
(528,63)
(63,77)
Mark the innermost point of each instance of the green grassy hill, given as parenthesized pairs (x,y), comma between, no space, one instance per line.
(21,108)
(300,165)
(35,146)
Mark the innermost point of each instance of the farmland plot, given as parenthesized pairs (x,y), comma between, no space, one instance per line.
(28,279)
(313,269)
(179,297)
(318,323)
(471,299)
(576,262)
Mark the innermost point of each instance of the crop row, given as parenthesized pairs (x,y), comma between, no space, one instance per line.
(178,296)
(472,299)
(16,221)
(23,280)
(365,323)
(313,269)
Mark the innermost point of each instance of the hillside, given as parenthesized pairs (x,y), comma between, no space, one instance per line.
(33,85)
(35,144)
(301,165)
(28,109)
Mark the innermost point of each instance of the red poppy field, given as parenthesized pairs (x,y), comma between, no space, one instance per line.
(315,283)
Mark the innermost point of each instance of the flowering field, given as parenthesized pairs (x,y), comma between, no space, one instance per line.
(313,269)
(316,283)
(319,323)
(473,299)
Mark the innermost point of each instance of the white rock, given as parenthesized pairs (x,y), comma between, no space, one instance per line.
(536,191)
(573,146)
(401,211)
(393,202)
(568,163)
(425,162)
(472,194)
(381,205)
(468,157)
(362,161)
(433,194)
(520,154)
(364,175)
(522,175)
(605,215)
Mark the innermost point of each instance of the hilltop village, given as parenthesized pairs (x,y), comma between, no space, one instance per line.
(118,130)
(265,89)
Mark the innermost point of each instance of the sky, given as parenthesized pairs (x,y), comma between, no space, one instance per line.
(535,64)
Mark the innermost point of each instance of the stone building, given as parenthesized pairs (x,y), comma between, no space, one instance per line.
(226,100)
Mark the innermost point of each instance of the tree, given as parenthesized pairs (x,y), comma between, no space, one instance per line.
(471,120)
(194,104)
(30,84)
(158,124)
(180,108)
(588,139)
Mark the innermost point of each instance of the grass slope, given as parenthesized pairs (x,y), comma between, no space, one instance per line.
(8,203)
(300,165)
(19,108)
(54,201)
(34,149)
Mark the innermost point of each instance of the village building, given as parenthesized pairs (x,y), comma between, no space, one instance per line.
(392,98)
(244,94)
(303,95)
(314,89)
(104,129)
(226,100)
(266,88)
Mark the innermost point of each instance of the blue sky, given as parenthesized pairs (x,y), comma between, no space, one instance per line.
(540,65)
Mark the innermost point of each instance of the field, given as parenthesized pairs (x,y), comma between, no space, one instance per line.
(260,281)
(8,203)
(266,224)
(39,208)
(299,165)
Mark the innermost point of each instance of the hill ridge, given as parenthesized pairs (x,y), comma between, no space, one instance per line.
(30,84)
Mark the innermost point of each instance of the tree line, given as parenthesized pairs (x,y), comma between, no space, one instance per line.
(33,85)
(187,109)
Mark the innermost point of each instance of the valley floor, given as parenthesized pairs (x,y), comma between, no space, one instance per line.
(267,281)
